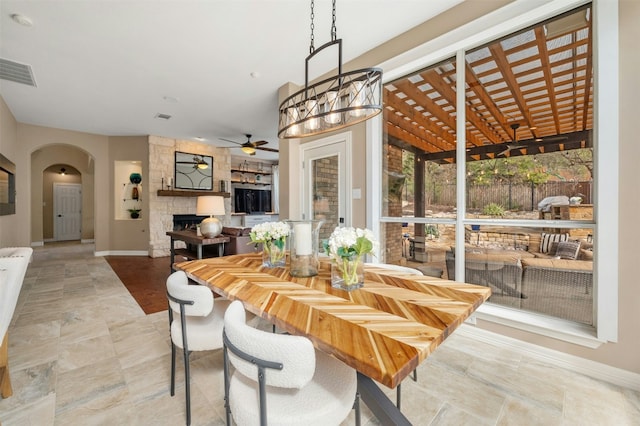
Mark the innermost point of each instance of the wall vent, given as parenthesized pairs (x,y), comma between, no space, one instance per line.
(16,72)
(161,116)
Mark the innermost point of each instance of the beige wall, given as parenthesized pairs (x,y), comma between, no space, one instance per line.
(624,354)
(9,231)
(32,140)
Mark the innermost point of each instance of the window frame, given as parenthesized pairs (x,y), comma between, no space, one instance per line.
(513,17)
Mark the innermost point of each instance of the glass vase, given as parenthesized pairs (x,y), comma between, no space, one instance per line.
(274,254)
(304,242)
(347,273)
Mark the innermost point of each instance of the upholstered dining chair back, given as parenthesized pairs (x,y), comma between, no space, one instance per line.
(281,379)
(295,353)
(202,297)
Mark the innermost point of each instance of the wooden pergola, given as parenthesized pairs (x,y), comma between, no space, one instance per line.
(528,93)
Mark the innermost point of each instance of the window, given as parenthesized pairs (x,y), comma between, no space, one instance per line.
(525,225)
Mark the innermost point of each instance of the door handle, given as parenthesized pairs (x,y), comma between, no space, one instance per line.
(59,215)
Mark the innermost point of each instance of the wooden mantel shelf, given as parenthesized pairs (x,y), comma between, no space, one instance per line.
(184,193)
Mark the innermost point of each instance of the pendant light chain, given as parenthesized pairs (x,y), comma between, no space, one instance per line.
(311,46)
(334,32)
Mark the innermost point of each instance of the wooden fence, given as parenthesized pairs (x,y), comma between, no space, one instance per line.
(509,196)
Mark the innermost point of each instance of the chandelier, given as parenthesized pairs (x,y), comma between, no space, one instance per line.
(339,101)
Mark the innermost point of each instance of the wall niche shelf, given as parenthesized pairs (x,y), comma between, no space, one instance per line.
(182,193)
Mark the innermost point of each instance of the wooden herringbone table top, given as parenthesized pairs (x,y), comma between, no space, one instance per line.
(384,330)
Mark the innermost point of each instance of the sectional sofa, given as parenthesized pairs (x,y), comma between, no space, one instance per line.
(533,280)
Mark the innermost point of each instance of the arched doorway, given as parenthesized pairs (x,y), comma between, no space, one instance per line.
(74,188)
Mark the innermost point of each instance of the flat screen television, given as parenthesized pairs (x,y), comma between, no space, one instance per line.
(252,201)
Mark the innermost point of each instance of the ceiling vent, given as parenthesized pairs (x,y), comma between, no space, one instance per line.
(16,72)
(161,116)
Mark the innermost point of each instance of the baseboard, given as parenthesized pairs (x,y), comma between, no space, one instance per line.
(596,370)
(121,253)
(87,241)
(37,243)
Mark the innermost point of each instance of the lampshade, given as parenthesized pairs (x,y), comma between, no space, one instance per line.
(210,205)
(248,150)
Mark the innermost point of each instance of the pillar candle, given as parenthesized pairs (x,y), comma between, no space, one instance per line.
(302,232)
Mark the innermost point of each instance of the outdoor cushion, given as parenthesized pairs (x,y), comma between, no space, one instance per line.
(547,239)
(560,264)
(568,249)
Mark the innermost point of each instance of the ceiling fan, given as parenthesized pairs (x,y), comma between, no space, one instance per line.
(197,162)
(541,141)
(515,145)
(250,147)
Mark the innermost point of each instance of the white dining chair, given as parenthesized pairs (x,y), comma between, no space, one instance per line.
(194,324)
(280,379)
(411,271)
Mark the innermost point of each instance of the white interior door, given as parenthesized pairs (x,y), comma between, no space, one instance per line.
(327,182)
(67,211)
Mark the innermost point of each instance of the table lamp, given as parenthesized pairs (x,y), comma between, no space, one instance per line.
(210,205)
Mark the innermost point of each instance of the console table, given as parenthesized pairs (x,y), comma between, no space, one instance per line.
(191,238)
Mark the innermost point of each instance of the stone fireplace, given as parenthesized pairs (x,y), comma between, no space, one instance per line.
(163,208)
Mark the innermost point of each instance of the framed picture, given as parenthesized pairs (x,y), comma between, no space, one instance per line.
(193,171)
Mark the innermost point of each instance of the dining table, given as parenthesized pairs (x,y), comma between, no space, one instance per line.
(384,329)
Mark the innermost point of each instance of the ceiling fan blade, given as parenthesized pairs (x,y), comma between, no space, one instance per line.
(229,140)
(259,143)
(267,149)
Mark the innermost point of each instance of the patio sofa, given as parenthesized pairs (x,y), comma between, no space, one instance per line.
(13,267)
(537,282)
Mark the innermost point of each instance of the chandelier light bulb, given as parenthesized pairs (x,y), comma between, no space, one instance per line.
(332,104)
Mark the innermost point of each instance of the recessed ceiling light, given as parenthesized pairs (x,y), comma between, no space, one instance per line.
(199,138)
(161,116)
(170,99)
(22,20)
(255,74)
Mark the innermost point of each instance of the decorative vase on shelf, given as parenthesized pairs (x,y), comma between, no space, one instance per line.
(135,178)
(347,273)
(274,255)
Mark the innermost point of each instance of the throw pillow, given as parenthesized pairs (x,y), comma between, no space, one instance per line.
(547,239)
(568,250)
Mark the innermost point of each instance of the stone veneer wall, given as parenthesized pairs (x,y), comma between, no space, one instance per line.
(161,209)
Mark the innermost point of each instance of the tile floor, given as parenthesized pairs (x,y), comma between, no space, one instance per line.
(82,352)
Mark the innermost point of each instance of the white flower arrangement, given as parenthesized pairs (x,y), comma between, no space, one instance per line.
(345,243)
(270,232)
(273,236)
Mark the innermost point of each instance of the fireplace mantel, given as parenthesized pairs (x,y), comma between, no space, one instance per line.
(182,193)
